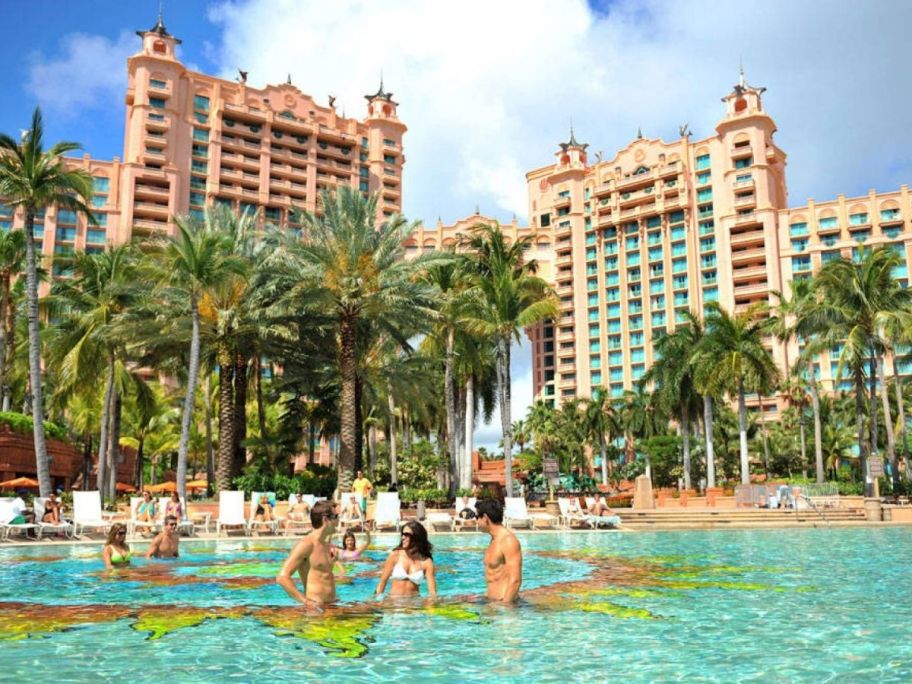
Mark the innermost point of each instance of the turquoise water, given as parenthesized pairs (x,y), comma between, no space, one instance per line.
(764,605)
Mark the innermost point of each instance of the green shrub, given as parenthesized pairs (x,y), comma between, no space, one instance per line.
(22,424)
(317,480)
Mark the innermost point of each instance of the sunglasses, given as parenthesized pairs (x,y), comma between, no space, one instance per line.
(407,534)
(172,524)
(122,533)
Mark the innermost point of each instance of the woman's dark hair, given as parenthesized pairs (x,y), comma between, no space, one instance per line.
(491,508)
(349,535)
(420,543)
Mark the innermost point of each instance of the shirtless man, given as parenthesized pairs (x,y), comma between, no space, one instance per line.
(503,557)
(313,560)
(165,543)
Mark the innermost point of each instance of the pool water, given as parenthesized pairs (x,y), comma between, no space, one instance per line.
(760,605)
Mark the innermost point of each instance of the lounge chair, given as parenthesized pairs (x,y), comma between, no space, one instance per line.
(231,511)
(568,516)
(458,521)
(6,513)
(87,513)
(439,519)
(345,519)
(272,525)
(516,514)
(387,514)
(598,520)
(62,526)
(290,522)
(182,524)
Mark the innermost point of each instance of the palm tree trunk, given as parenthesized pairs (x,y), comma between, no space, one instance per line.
(372,447)
(872,387)
(391,404)
(9,323)
(261,407)
(105,420)
(766,450)
(685,427)
(603,454)
(803,440)
(210,455)
(311,445)
(140,466)
(466,480)
(114,444)
(742,430)
(239,404)
(888,423)
(859,424)
(818,430)
(897,385)
(449,391)
(42,464)
(225,470)
(5,284)
(183,449)
(87,461)
(708,435)
(359,422)
(506,422)
(349,368)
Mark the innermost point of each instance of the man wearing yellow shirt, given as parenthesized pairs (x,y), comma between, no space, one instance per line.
(362,487)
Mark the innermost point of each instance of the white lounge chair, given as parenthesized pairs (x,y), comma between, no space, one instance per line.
(345,519)
(568,515)
(387,514)
(62,526)
(183,523)
(458,521)
(231,511)
(87,513)
(599,520)
(437,519)
(515,512)
(6,513)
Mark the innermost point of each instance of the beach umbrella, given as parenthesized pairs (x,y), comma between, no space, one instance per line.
(197,484)
(163,487)
(124,487)
(20,483)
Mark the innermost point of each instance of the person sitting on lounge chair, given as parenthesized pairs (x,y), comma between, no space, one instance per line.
(263,511)
(467,512)
(146,511)
(298,511)
(599,507)
(174,507)
(51,510)
(352,512)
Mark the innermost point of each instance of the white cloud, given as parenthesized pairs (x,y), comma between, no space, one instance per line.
(488,88)
(87,75)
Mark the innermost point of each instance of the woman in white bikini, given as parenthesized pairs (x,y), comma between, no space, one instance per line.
(409,564)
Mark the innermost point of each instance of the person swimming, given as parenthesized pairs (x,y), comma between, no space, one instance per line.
(410,564)
(350,549)
(116,551)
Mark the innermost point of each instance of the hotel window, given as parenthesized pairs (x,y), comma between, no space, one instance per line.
(709,277)
(829,222)
(617,391)
(656,286)
(613,295)
(95,237)
(197,198)
(703,178)
(858,219)
(658,302)
(200,151)
(658,318)
(595,362)
(677,234)
(591,253)
(611,263)
(827,257)
(155,150)
(545,220)
(653,222)
(633,259)
(200,135)
(389,159)
(637,355)
(636,323)
(66,234)
(633,275)
(679,282)
(101,219)
(889,214)
(654,238)
(157,102)
(66,216)
(634,291)
(681,299)
(801,263)
(708,261)
(655,253)
(637,371)
(593,300)
(632,243)
(595,346)
(273,214)
(99,200)
(197,183)
(157,83)
(707,227)
(711,294)
(679,266)
(707,244)
(744,163)
(594,330)
(704,195)
(201,103)
(596,378)
(676,217)
(200,166)
(100,184)
(799,245)
(592,284)
(830,240)
(703,162)
(614,326)
(614,342)
(743,177)
(364,186)
(364,172)
(892,232)
(798,229)
(389,142)
(614,311)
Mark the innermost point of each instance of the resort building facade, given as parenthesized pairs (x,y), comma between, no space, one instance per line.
(664,228)
(192,140)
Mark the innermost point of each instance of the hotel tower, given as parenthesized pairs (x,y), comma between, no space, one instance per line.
(664,228)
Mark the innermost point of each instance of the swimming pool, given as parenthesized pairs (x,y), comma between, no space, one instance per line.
(765,605)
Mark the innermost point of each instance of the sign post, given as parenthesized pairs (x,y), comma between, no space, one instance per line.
(551,474)
(876,469)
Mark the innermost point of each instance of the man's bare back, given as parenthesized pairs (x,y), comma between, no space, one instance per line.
(503,557)
(312,559)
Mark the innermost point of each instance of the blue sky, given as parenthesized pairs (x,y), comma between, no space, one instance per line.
(488,88)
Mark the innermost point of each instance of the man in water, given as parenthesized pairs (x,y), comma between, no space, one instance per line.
(313,558)
(166,542)
(503,557)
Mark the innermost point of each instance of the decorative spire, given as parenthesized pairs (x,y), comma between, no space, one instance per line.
(381,94)
(639,133)
(477,210)
(159,27)
(741,81)
(742,84)
(573,142)
(288,80)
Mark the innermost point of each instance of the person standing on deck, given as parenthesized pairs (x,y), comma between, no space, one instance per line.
(503,557)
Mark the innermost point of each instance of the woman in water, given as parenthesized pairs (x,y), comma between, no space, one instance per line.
(116,551)
(351,550)
(409,564)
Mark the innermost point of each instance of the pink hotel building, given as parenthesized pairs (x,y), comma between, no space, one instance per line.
(630,243)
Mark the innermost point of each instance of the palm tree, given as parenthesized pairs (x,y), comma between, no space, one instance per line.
(12,259)
(507,297)
(86,344)
(861,300)
(349,268)
(673,375)
(733,359)
(642,417)
(34,179)
(602,424)
(184,267)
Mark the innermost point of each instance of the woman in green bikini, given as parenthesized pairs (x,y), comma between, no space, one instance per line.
(116,552)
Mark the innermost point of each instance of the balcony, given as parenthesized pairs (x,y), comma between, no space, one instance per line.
(244,177)
(828,229)
(755,288)
(561,201)
(742,152)
(153,192)
(891,220)
(154,155)
(151,209)
(250,163)
(566,258)
(157,122)
(746,219)
(604,189)
(744,184)
(746,200)
(144,226)
(287,171)
(245,113)
(741,274)
(749,255)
